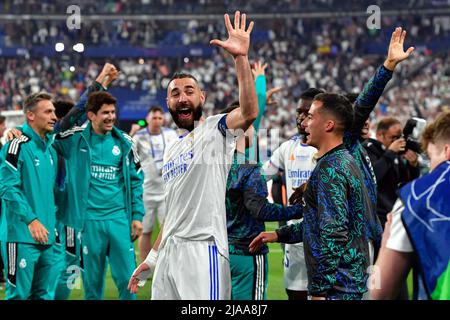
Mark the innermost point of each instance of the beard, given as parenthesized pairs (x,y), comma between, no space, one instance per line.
(188,124)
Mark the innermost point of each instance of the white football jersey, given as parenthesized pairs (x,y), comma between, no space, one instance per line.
(295,159)
(151,152)
(297,162)
(195,173)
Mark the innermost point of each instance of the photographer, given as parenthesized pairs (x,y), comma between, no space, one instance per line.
(416,236)
(393,164)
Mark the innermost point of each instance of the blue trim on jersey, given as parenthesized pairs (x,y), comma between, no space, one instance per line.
(222,125)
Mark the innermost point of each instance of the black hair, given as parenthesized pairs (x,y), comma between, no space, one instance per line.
(181,75)
(351,97)
(310,93)
(339,107)
(97,99)
(62,107)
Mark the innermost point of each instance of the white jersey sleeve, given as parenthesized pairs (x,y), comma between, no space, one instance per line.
(398,239)
(275,163)
(195,173)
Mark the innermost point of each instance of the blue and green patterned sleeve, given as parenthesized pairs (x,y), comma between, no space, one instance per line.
(292,233)
(368,98)
(332,229)
(255,200)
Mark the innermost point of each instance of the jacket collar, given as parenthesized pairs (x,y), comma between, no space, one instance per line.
(87,132)
(30,133)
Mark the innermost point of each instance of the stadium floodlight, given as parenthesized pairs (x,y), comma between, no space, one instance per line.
(59,47)
(79,47)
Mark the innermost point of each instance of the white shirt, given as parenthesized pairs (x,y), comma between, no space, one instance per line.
(297,161)
(398,239)
(195,173)
(151,148)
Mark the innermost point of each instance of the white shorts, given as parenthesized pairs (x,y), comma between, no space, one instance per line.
(191,270)
(295,275)
(153,209)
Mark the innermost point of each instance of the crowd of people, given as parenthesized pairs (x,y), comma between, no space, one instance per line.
(341,184)
(204,6)
(302,53)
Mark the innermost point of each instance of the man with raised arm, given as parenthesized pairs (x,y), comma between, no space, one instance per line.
(192,259)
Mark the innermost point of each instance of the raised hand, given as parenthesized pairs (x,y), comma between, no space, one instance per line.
(396,54)
(259,69)
(108,74)
(238,41)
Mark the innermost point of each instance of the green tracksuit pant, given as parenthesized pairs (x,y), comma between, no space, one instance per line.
(28,269)
(66,272)
(106,241)
(248,277)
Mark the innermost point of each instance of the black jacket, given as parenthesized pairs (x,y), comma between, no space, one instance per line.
(391,171)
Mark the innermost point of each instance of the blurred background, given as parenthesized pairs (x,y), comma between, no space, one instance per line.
(306,43)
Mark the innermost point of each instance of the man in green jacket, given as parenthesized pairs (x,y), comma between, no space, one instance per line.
(28,217)
(104,199)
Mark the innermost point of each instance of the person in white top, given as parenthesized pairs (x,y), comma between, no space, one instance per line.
(398,252)
(295,159)
(151,142)
(190,257)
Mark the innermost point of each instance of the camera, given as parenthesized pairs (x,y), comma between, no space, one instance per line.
(412,131)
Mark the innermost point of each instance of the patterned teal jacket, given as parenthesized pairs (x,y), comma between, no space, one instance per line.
(334,227)
(364,105)
(248,208)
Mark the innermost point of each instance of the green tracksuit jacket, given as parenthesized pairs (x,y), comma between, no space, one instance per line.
(74,146)
(28,176)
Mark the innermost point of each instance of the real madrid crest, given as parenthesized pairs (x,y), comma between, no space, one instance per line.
(116,150)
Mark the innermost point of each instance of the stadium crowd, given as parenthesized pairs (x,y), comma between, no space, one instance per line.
(334,85)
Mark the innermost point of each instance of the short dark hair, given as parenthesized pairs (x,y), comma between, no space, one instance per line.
(386,123)
(351,97)
(33,99)
(310,93)
(155,108)
(97,99)
(338,106)
(181,75)
(62,106)
(2,119)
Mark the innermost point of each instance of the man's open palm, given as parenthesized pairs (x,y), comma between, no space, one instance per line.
(238,40)
(396,53)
